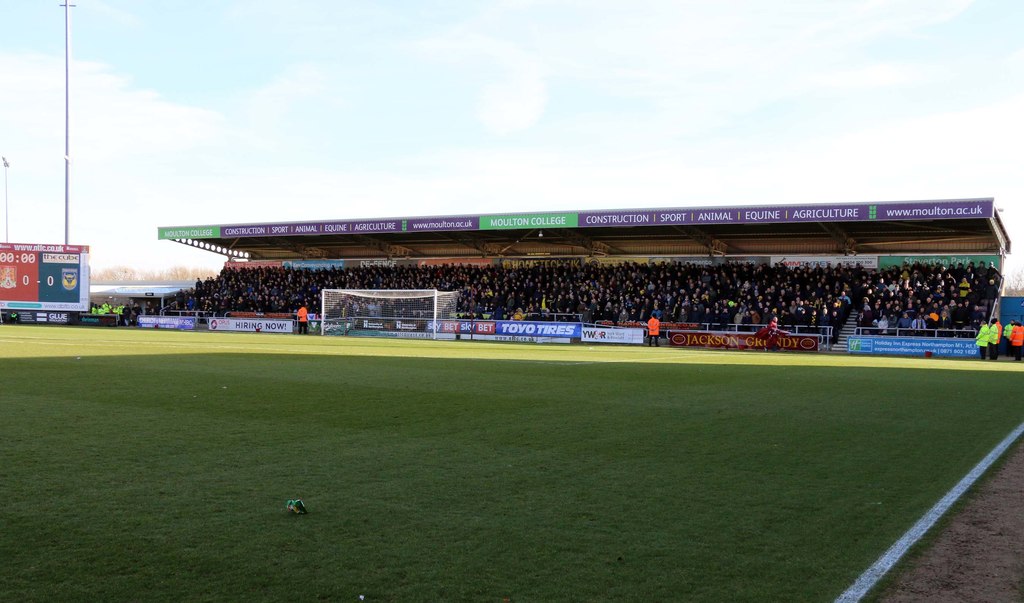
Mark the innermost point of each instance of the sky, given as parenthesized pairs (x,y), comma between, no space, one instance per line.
(223,111)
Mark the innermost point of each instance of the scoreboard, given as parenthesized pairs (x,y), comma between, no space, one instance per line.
(44,277)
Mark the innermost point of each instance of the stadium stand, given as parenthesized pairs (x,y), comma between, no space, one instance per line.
(730,295)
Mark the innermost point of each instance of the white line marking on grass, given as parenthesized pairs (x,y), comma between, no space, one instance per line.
(555,362)
(870,578)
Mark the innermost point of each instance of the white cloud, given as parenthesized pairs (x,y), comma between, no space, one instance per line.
(275,100)
(513,104)
(124,142)
(693,76)
(109,12)
(699,65)
(881,75)
(513,95)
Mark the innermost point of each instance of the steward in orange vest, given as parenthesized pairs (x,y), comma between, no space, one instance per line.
(1017,339)
(653,331)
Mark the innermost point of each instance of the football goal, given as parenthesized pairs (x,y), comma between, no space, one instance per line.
(408,313)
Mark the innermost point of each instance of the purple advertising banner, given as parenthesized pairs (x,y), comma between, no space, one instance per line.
(852,212)
(352,227)
(761,214)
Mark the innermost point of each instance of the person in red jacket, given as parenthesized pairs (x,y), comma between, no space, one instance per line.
(770,334)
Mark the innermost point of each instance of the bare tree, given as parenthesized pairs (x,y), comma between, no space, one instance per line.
(1013,284)
(177,273)
(186,273)
(116,273)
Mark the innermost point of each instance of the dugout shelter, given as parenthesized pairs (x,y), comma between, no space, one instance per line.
(903,231)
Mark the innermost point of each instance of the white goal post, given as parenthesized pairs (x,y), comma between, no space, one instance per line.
(405,313)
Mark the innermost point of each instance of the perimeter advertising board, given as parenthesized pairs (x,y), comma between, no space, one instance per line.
(404,328)
(606,335)
(97,320)
(740,341)
(523,328)
(913,346)
(251,325)
(47,318)
(509,330)
(36,276)
(523,331)
(464,327)
(181,323)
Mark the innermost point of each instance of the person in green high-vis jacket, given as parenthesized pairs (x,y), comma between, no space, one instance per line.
(1007,332)
(982,340)
(995,333)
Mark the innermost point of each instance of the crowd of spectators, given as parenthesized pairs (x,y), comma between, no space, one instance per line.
(921,299)
(917,297)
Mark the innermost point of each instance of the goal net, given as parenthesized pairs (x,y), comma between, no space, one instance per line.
(408,313)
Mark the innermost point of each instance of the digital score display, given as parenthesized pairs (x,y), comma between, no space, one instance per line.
(44,277)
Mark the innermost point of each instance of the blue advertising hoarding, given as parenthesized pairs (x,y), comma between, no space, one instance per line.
(522,328)
(913,346)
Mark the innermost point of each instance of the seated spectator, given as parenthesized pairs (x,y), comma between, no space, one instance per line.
(919,326)
(883,325)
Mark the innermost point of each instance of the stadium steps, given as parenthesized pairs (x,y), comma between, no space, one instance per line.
(849,328)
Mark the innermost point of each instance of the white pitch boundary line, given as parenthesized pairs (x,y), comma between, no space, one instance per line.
(873,574)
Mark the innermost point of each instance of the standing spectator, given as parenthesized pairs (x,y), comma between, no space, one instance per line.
(945,321)
(977,316)
(961,315)
(904,323)
(867,315)
(991,292)
(653,331)
(965,288)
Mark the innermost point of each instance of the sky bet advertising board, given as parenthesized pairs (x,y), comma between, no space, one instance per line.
(44,277)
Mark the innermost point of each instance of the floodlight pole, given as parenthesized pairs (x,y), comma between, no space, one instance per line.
(7,216)
(67,118)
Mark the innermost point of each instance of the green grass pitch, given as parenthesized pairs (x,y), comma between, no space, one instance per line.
(155,466)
